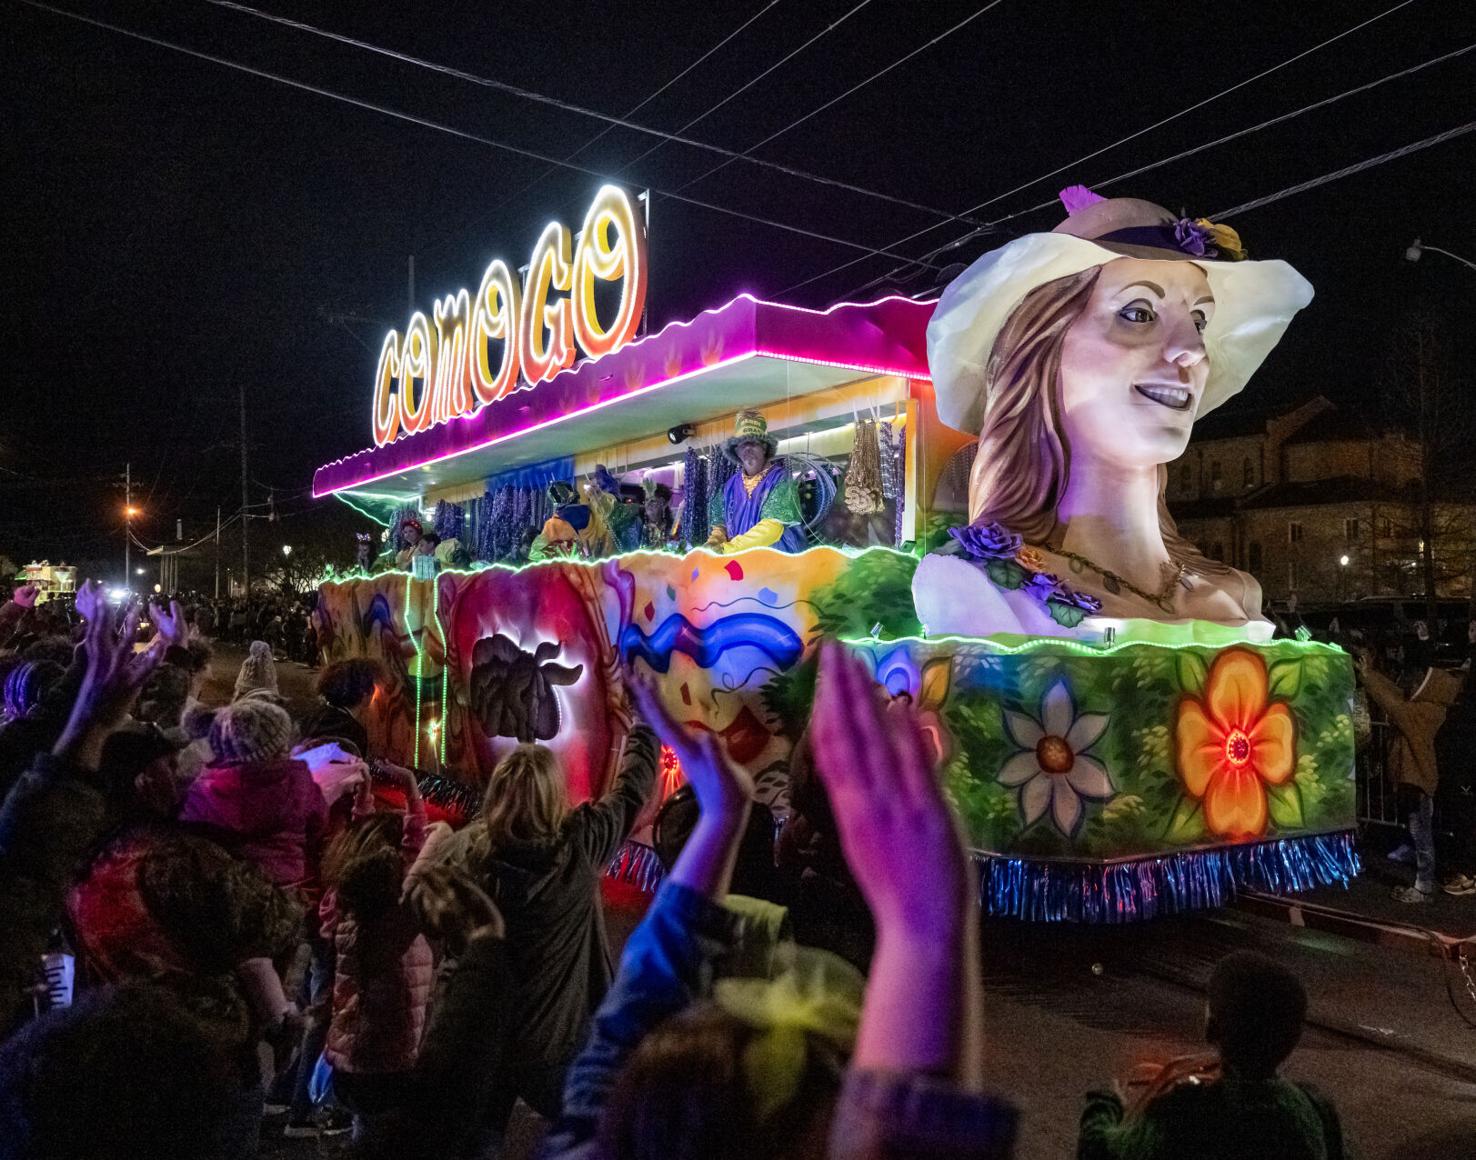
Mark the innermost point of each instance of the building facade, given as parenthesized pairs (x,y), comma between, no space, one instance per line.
(1315,503)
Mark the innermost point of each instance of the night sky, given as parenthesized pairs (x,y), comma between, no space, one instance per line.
(174,230)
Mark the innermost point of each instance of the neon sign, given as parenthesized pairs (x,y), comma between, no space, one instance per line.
(474,350)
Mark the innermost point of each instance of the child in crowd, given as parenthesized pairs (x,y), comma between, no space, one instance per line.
(258,673)
(346,690)
(385,965)
(1234,1106)
(674,1067)
(255,798)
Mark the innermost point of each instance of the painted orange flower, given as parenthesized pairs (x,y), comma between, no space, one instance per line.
(1233,743)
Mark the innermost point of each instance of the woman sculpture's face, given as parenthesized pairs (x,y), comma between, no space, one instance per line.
(1133,365)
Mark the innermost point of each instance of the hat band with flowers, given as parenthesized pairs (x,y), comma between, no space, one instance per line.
(1254,300)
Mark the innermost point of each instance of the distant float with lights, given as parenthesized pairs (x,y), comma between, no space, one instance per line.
(1117,731)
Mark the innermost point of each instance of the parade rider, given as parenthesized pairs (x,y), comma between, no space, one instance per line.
(411,532)
(759,506)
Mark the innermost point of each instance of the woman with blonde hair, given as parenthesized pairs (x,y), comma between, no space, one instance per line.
(541,860)
(1082,358)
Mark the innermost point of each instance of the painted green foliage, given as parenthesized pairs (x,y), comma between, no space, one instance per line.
(1123,708)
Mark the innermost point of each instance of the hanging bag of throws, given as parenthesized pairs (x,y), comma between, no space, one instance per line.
(864,477)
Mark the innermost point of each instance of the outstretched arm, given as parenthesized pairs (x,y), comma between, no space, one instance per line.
(665,959)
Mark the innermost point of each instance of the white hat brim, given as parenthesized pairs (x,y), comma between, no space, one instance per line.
(1254,304)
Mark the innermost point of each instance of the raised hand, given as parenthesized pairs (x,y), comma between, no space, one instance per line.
(724,796)
(895,828)
(91,597)
(26,595)
(170,622)
(721,785)
(924,998)
(115,674)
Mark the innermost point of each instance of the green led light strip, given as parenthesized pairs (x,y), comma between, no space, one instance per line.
(409,584)
(1044,643)
(420,665)
(848,553)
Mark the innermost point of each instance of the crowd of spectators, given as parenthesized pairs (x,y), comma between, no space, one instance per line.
(213,910)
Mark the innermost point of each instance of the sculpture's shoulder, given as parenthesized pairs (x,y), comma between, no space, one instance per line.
(954,596)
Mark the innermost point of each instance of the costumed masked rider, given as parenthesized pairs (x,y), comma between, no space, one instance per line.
(575,528)
(759,506)
(411,532)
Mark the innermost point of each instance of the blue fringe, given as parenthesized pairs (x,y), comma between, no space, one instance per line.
(1115,892)
(637,864)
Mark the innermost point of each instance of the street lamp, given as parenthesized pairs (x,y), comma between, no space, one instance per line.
(1343,561)
(286,549)
(1416,248)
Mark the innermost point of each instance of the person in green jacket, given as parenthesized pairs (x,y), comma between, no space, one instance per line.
(1231,1105)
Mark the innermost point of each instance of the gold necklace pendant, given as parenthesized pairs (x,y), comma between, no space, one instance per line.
(1174,574)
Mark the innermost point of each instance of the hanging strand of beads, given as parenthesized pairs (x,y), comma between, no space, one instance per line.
(863,476)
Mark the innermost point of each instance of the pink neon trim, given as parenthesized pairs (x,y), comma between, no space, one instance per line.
(503,438)
(680,323)
(479,412)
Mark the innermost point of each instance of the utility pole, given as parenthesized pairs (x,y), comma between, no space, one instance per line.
(127,525)
(245,499)
(217,552)
(1427,521)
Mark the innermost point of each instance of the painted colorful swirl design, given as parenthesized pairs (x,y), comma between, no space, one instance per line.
(676,634)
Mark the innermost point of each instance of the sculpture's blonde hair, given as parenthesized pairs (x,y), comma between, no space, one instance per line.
(526,800)
(1023,463)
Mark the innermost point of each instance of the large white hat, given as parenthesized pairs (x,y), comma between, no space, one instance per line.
(1254,301)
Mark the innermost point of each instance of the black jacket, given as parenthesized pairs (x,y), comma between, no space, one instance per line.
(548,892)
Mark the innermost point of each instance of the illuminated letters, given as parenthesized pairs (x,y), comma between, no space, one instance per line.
(452,394)
(496,318)
(417,366)
(448,365)
(609,260)
(547,333)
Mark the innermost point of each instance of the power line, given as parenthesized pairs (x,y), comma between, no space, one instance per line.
(1281,118)
(1098,152)
(853,89)
(612,122)
(1246,132)
(1349,170)
(824,32)
(630,112)
(1194,107)
(426,123)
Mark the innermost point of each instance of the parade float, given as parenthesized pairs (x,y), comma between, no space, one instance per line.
(968,492)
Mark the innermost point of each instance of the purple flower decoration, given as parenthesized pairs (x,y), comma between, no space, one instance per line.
(1194,239)
(1070,597)
(1045,586)
(987,541)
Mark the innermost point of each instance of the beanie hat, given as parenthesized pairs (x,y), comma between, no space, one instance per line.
(252,730)
(27,683)
(258,670)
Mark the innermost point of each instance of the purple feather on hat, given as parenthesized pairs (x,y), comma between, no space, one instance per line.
(1077,197)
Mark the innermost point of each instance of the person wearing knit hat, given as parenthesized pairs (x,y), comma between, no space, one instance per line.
(264,803)
(25,686)
(1081,358)
(258,671)
(759,505)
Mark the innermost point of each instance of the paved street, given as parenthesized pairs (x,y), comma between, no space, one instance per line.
(294,680)
(1388,1040)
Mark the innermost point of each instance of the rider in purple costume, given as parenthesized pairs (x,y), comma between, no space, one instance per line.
(759,506)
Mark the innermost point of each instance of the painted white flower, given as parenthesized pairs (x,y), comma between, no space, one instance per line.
(1053,769)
